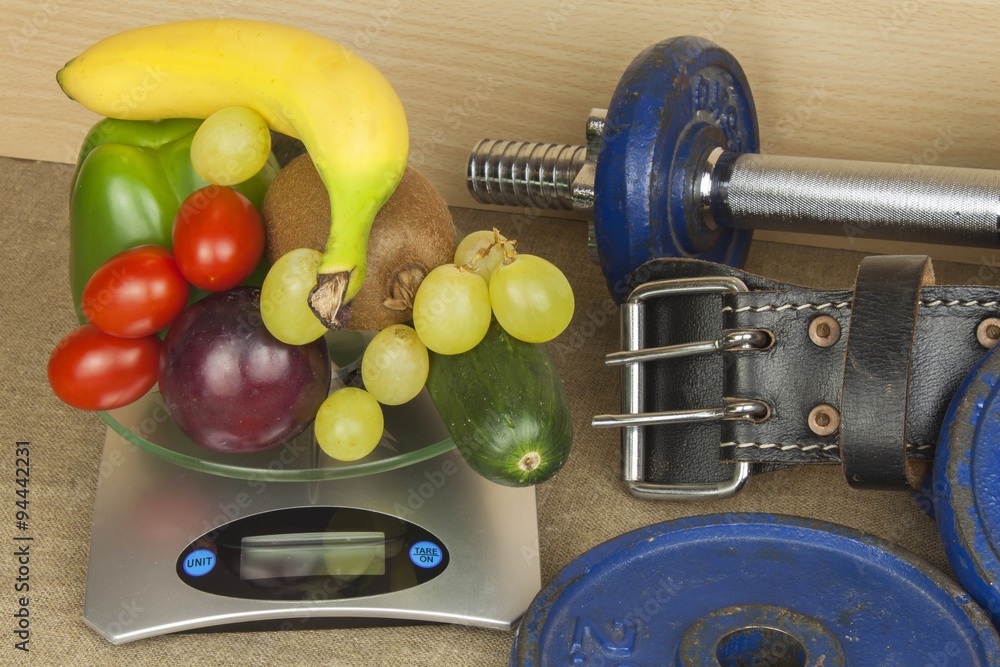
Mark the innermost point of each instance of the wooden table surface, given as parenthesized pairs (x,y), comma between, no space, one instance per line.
(890,80)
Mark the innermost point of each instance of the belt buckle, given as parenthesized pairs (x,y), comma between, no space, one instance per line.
(631,360)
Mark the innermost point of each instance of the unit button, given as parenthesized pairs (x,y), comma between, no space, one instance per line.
(199,562)
(426,554)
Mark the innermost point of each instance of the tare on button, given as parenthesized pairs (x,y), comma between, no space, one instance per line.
(199,562)
(426,554)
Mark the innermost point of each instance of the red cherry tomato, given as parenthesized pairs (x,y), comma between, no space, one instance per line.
(218,238)
(135,293)
(92,370)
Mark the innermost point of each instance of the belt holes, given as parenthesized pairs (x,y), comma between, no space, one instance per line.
(824,419)
(760,419)
(761,414)
(988,332)
(824,331)
(768,341)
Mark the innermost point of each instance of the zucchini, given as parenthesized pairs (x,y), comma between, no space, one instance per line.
(505,408)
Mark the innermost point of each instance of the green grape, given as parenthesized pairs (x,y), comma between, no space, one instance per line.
(230,146)
(532,300)
(394,368)
(468,250)
(451,309)
(284,297)
(349,424)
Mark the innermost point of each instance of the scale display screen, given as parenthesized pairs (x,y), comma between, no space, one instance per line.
(309,553)
(345,554)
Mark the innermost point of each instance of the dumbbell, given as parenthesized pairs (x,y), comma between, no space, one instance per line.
(672,169)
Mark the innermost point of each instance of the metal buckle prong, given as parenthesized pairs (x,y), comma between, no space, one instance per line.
(633,388)
(743,339)
(750,410)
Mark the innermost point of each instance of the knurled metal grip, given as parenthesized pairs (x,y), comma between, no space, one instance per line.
(941,205)
(672,169)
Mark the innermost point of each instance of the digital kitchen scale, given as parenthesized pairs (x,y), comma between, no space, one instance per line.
(184,539)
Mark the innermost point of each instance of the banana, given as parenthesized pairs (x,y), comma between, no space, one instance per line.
(341,107)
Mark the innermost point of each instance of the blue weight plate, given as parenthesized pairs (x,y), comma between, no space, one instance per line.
(966,483)
(677,101)
(752,589)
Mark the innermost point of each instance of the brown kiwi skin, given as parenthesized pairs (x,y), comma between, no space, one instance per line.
(412,233)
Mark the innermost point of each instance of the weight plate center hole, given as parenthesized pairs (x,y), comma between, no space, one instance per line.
(755,645)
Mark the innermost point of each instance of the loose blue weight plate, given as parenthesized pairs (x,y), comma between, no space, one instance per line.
(752,589)
(966,483)
(676,102)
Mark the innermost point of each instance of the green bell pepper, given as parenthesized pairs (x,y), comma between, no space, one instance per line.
(130,180)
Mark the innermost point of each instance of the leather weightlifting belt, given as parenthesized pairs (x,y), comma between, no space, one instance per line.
(727,374)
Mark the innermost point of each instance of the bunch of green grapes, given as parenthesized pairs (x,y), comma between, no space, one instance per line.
(529,296)
(394,370)
(452,309)
(394,367)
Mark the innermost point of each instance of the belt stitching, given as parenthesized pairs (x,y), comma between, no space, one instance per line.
(846,304)
(805,448)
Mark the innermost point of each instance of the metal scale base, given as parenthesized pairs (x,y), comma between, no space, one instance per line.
(149,513)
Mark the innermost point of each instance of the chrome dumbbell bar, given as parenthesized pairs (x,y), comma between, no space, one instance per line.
(902,202)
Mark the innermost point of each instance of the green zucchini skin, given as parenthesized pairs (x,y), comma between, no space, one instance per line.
(503,403)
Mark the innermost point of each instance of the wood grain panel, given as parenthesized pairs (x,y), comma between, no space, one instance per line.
(891,80)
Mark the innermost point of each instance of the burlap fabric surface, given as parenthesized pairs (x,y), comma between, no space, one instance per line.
(583,506)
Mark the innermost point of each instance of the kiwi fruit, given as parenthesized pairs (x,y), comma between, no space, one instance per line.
(412,234)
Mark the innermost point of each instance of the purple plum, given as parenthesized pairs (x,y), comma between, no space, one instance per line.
(231,386)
